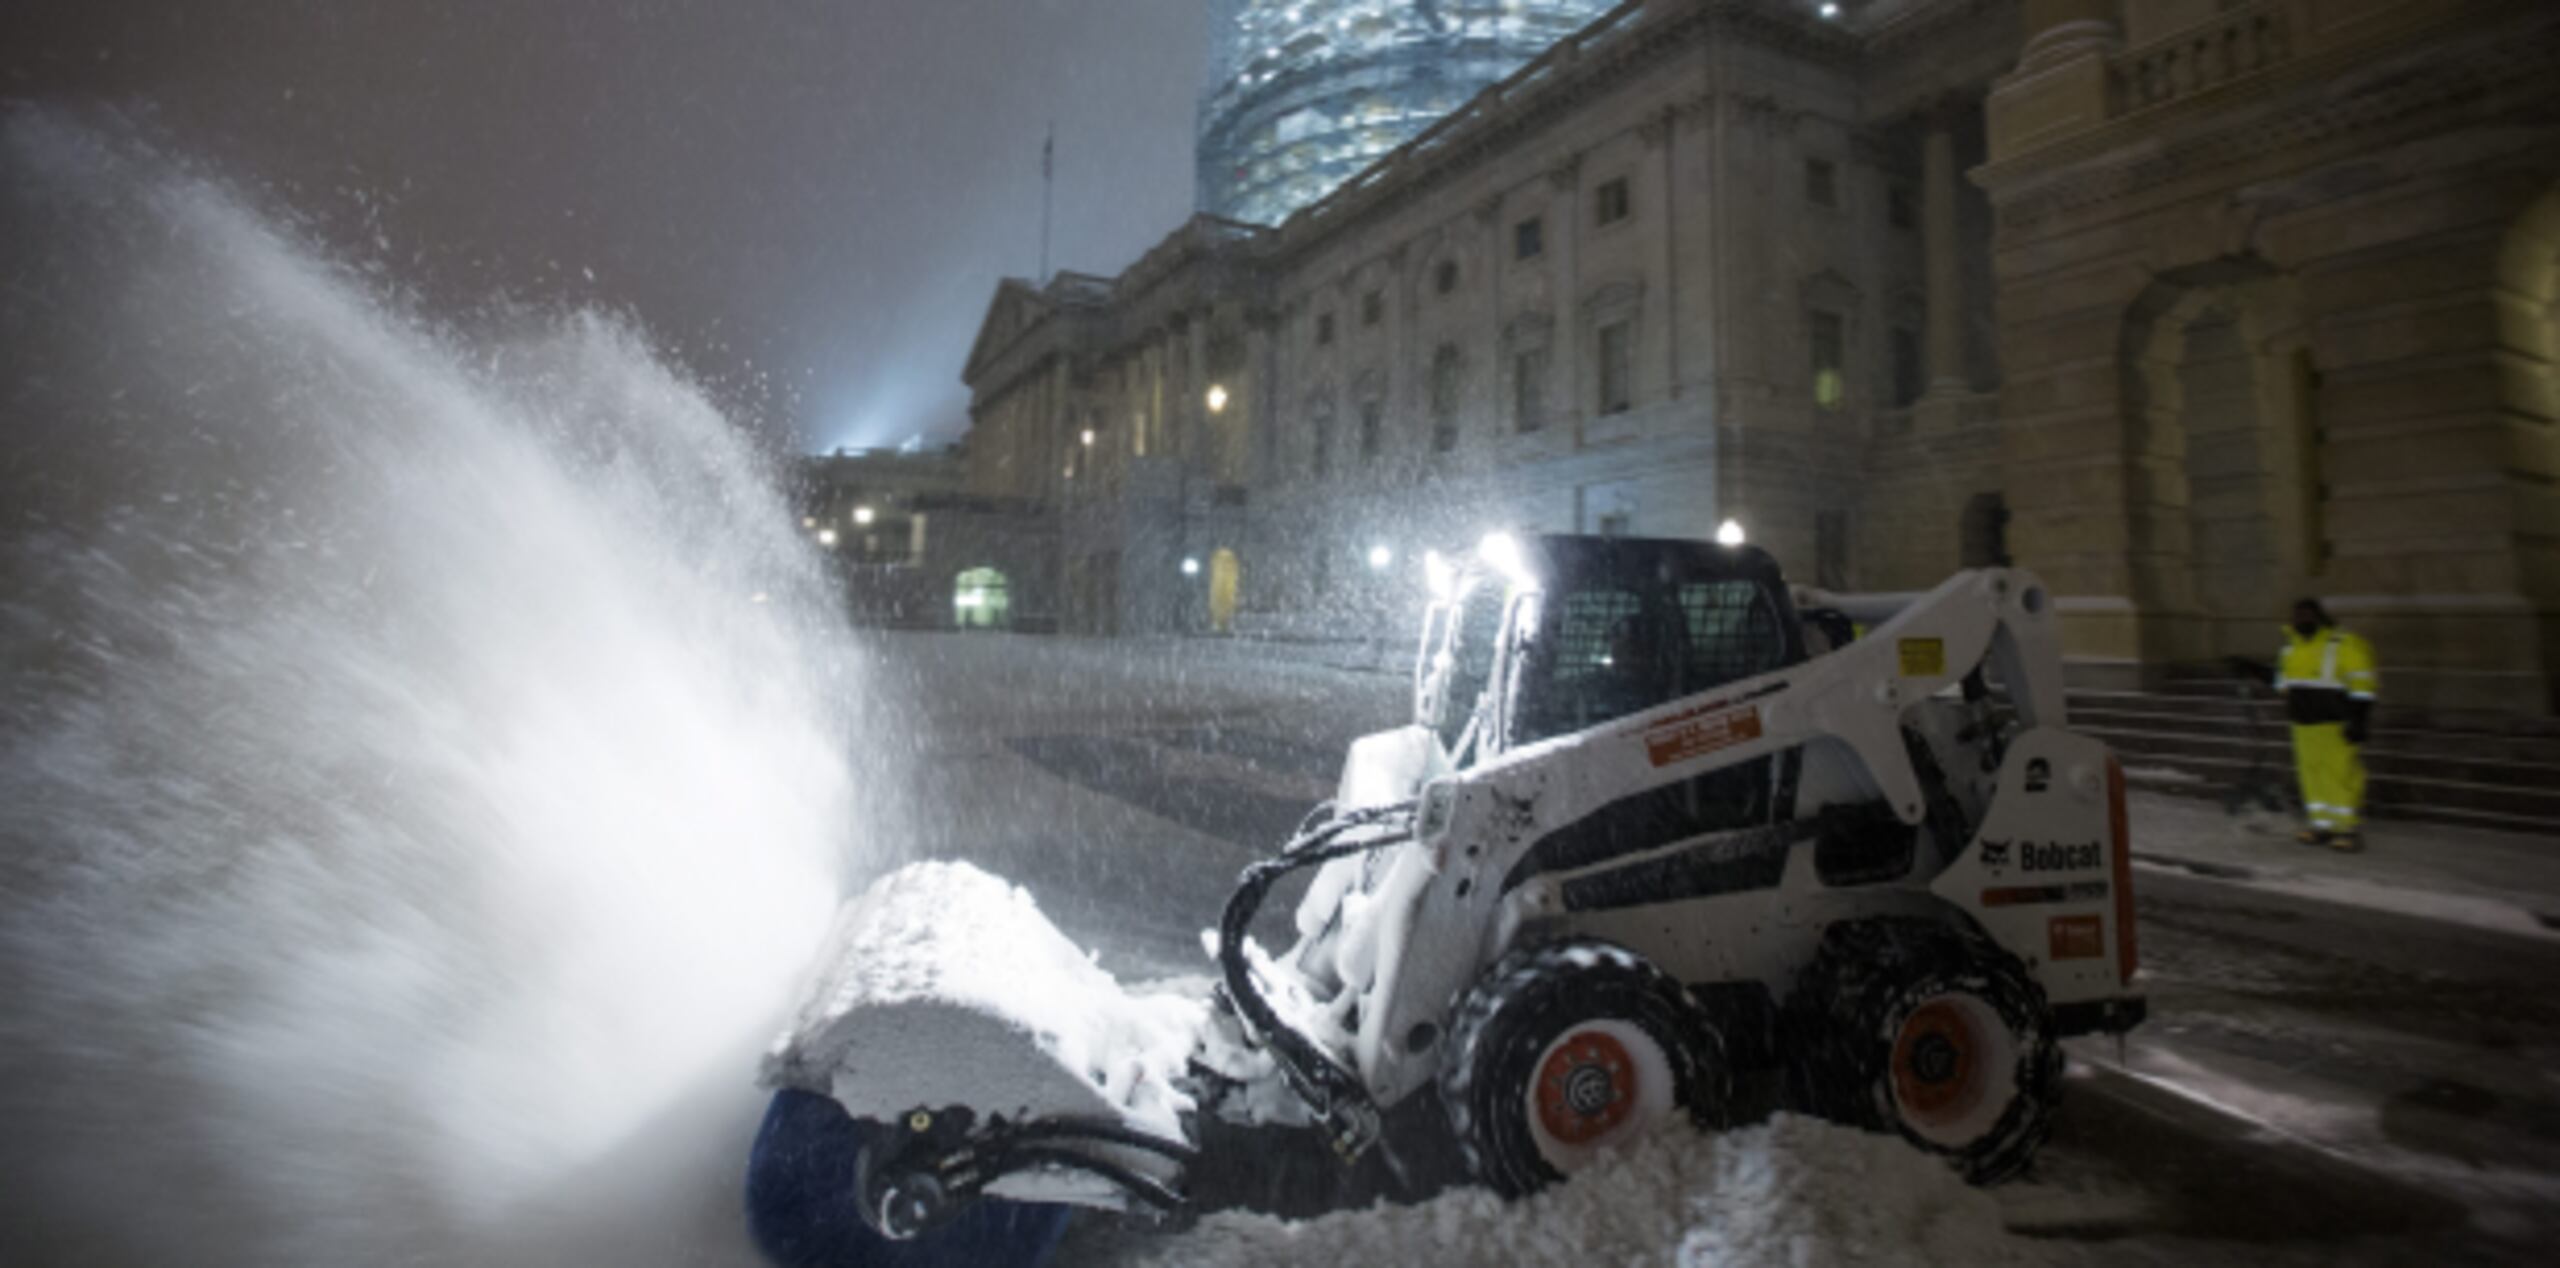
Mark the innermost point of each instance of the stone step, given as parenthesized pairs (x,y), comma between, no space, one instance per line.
(2531,741)
(2489,759)
(2400,783)
(2210,780)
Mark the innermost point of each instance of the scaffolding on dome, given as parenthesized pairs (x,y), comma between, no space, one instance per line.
(1303,94)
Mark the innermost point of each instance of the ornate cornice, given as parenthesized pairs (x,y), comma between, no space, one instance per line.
(1895,36)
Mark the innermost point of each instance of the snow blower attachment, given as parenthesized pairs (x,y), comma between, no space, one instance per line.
(1659,819)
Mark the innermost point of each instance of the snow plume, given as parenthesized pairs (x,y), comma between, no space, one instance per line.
(1792,1193)
(418,754)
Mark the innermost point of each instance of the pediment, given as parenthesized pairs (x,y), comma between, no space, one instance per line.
(1014,309)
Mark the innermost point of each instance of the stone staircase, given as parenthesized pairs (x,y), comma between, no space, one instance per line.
(2198,735)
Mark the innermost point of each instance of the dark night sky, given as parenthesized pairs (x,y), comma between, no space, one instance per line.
(811,200)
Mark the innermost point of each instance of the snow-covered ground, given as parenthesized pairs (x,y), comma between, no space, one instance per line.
(1789,1192)
(2493,881)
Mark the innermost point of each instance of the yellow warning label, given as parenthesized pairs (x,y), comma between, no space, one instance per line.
(1923,657)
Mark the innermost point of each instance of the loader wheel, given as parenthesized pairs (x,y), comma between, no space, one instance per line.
(1566,1050)
(1933,1032)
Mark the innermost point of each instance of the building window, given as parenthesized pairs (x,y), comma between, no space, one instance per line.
(1372,428)
(1528,238)
(1373,307)
(1444,279)
(1821,183)
(1898,208)
(1322,465)
(1609,203)
(1529,390)
(1617,367)
(1445,368)
(1320,574)
(1615,523)
(1829,342)
(1324,329)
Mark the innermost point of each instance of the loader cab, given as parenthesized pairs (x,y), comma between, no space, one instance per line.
(1541,637)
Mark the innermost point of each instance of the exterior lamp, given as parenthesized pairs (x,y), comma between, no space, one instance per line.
(827,537)
(862,515)
(1729,533)
(1380,556)
(1190,566)
(1087,437)
(1830,10)
(1217,397)
(1501,552)
(808,521)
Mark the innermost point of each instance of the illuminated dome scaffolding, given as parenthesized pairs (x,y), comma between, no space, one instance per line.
(1304,93)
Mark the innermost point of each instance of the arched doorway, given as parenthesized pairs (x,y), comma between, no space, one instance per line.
(2529,356)
(1224,577)
(980,600)
(2219,390)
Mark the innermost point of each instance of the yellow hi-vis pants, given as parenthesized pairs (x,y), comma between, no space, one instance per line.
(2332,773)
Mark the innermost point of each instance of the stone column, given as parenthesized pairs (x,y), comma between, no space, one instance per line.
(1192,441)
(1564,361)
(1940,240)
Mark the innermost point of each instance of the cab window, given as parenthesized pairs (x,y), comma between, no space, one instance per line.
(1732,630)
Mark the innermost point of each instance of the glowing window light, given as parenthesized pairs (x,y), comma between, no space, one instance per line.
(1217,397)
(1729,533)
(862,515)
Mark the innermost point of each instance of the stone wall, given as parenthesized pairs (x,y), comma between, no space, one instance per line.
(2263,337)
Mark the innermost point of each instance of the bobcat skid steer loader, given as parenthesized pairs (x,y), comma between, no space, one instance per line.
(1658,820)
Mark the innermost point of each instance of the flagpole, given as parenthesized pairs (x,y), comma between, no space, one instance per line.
(1048,182)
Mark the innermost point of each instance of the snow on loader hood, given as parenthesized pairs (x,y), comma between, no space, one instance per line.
(942,985)
(1791,1193)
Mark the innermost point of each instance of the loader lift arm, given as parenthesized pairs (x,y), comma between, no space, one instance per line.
(1335,1095)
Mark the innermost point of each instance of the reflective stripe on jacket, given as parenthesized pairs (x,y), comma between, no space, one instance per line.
(2322,674)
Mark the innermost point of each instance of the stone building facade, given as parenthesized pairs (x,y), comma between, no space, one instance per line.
(2191,306)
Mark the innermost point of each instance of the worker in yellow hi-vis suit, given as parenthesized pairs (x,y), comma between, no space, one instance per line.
(2329,684)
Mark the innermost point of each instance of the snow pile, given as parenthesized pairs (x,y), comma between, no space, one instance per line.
(1794,1191)
(943,985)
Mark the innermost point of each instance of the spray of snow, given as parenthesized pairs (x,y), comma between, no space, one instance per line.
(418,762)
(1790,1193)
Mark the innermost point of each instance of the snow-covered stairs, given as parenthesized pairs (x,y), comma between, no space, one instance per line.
(2198,735)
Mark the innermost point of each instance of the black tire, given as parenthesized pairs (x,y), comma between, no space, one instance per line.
(1921,1029)
(1611,1002)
